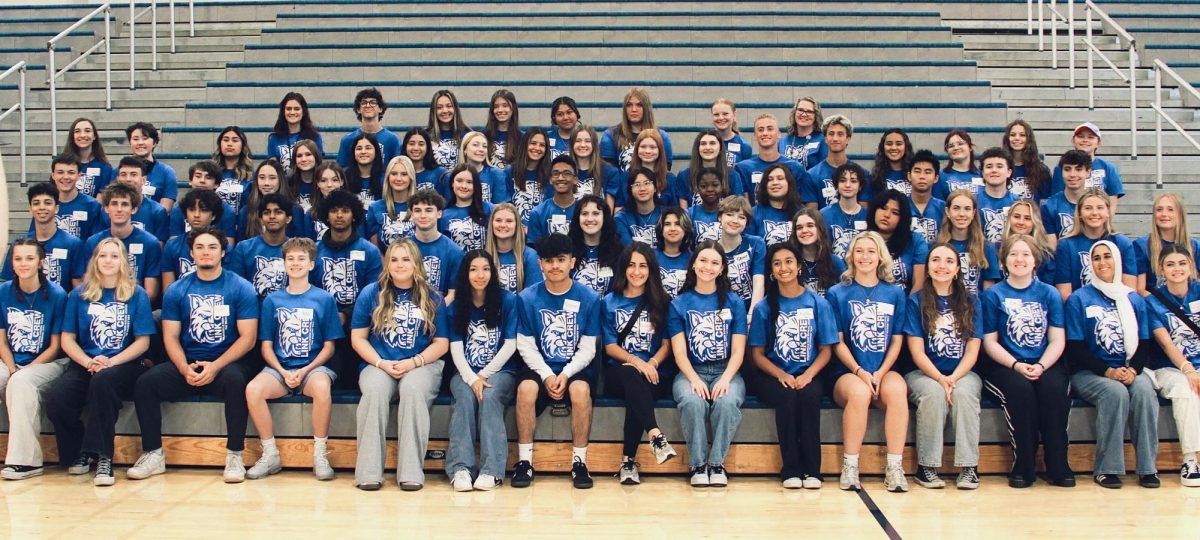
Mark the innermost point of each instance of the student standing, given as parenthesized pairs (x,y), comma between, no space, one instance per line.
(820,269)
(292,125)
(445,127)
(65,259)
(637,115)
(1031,177)
(1167,228)
(83,143)
(369,108)
(927,212)
(387,218)
(161,182)
(846,218)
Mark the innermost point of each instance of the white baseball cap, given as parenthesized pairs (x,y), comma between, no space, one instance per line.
(1090,127)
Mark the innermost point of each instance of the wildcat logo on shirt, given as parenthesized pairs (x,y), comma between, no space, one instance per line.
(830,192)
(186,267)
(1026,325)
(208,317)
(139,225)
(305,201)
(340,279)
(626,157)
(1096,179)
(1020,189)
(1085,268)
(970,272)
(586,187)
(445,152)
(957,185)
(481,343)
(1066,222)
(87,184)
(285,157)
(900,185)
(869,326)
(793,337)
(296,331)
(365,197)
(900,272)
(993,224)
(466,233)
(841,240)
(497,157)
(1108,330)
(672,280)
(53,268)
(525,200)
(739,274)
(926,227)
(589,275)
(407,322)
(394,229)
(319,228)
(110,324)
(776,232)
(508,277)
(269,275)
(707,231)
(641,336)
(230,191)
(944,341)
(708,335)
(26,330)
(1184,339)
(433,270)
(559,333)
(644,234)
(68,223)
(560,227)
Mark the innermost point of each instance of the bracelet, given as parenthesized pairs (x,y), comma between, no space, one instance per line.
(857,369)
(1014,365)
(377,362)
(419,360)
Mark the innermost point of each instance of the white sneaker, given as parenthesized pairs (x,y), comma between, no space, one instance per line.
(266,465)
(462,481)
(894,480)
(1189,474)
(849,480)
(812,482)
(487,482)
(699,476)
(149,464)
(793,483)
(235,468)
(717,476)
(321,467)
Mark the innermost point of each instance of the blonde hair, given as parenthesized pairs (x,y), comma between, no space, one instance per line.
(732,106)
(624,130)
(389,196)
(1182,238)
(883,271)
(422,294)
(1039,231)
(975,239)
(1077,227)
(462,147)
(93,287)
(490,244)
(735,203)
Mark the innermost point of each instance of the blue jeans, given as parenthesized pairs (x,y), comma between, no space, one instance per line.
(695,413)
(1118,405)
(471,419)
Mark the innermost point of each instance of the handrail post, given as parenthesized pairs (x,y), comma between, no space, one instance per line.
(50,74)
(1158,162)
(1029,17)
(132,56)
(1091,53)
(1053,34)
(1041,25)
(172,7)
(107,59)
(21,98)
(1071,39)
(191,18)
(1133,61)
(154,35)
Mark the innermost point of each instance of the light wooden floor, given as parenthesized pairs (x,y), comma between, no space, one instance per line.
(195,503)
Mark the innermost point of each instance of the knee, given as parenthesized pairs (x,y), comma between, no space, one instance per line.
(318,388)
(527,392)
(692,404)
(727,405)
(581,394)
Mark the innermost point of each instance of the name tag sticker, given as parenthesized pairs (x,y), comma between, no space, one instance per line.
(358,255)
(977,181)
(571,305)
(1194,306)
(806,313)
(1012,303)
(553,142)
(756,177)
(135,249)
(59,253)
(92,171)
(221,310)
(95,310)
(304,312)
(149,191)
(558,219)
(828,191)
(886,308)
(1094,312)
(735,147)
(605,272)
(860,225)
(79,215)
(726,314)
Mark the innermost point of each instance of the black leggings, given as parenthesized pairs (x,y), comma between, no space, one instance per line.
(1034,408)
(797,422)
(639,397)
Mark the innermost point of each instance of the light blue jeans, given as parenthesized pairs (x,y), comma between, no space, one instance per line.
(1118,405)
(471,419)
(725,413)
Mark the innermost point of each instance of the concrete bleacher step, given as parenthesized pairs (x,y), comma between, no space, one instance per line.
(616,18)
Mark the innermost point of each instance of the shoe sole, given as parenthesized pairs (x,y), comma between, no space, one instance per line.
(325,477)
(411,487)
(666,459)
(1190,483)
(967,486)
(931,485)
(897,489)
(78,472)
(520,484)
(31,474)
(464,490)
(143,477)
(370,486)
(104,482)
(261,476)
(630,482)
(485,488)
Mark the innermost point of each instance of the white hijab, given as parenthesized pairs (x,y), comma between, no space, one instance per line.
(1119,293)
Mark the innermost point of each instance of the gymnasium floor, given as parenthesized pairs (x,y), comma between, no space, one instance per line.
(191,503)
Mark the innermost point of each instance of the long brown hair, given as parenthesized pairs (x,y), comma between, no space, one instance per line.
(975,239)
(595,165)
(827,275)
(624,131)
(1035,170)
(492,246)
(422,294)
(253,225)
(97,148)
(962,305)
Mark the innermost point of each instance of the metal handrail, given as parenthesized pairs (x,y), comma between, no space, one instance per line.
(1056,17)
(1093,51)
(18,68)
(135,15)
(52,75)
(1184,86)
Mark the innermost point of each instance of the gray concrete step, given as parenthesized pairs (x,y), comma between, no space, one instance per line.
(781,15)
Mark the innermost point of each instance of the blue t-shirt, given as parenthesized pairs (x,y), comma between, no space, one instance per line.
(346,271)
(1058,214)
(673,270)
(1020,183)
(993,214)
(94,176)
(432,179)
(808,150)
(557,323)
(441,259)
(1022,318)
(525,200)
(737,150)
(280,148)
(928,223)
(497,147)
(705,224)
(457,225)
(445,148)
(389,146)
(842,227)
(481,343)
(632,226)
(82,216)
(916,253)
(298,325)
(409,334)
(1184,338)
(107,326)
(589,273)
(668,196)
(773,225)
(259,263)
(1092,318)
(31,319)
(211,310)
(867,318)
(973,275)
(804,325)
(152,218)
(1104,175)
(751,173)
(177,257)
(953,180)
(548,218)
(822,188)
(622,157)
(810,275)
(161,183)
(65,259)
(707,326)
(1073,261)
(945,348)
(385,228)
(234,191)
(143,249)
(1141,251)
(300,227)
(898,180)
(179,226)
(745,262)
(683,186)
(532,272)
(612,182)
(643,339)
(556,143)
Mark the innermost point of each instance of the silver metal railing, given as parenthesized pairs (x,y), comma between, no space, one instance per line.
(19,69)
(1127,41)
(1190,97)
(53,75)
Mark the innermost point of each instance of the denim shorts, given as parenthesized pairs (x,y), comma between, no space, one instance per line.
(299,390)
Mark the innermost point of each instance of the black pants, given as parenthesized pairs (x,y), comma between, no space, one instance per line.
(98,397)
(164,383)
(1033,409)
(797,422)
(639,395)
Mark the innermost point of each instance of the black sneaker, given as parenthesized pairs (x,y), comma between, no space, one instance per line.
(20,472)
(1019,482)
(1065,482)
(82,464)
(927,477)
(580,477)
(1149,481)
(522,474)
(104,472)
(1110,481)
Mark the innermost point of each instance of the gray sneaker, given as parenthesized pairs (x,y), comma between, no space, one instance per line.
(149,464)
(849,480)
(235,468)
(321,467)
(894,480)
(628,474)
(663,451)
(266,465)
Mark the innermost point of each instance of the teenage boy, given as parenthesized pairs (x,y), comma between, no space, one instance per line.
(65,260)
(996,198)
(927,211)
(259,260)
(823,189)
(553,215)
(766,136)
(204,175)
(220,311)
(846,218)
(1058,212)
(369,107)
(440,255)
(557,332)
(150,216)
(78,213)
(1102,174)
(121,202)
(203,208)
(161,183)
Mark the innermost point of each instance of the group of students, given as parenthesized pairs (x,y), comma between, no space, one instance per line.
(785,264)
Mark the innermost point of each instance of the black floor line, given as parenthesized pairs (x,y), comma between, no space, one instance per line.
(879,517)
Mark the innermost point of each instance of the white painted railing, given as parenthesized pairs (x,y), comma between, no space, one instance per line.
(1190,97)
(52,75)
(19,69)
(1127,41)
